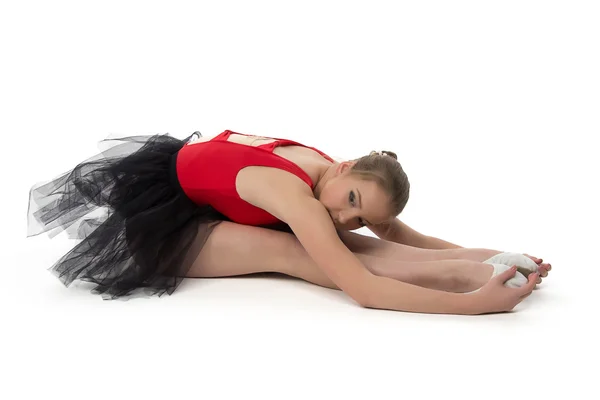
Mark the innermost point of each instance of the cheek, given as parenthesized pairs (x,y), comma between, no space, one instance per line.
(333,197)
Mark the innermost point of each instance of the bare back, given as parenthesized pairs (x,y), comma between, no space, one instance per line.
(307,159)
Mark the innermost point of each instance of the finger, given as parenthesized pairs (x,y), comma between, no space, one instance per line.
(531,280)
(539,280)
(506,275)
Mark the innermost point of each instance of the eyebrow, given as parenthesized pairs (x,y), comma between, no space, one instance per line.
(360,206)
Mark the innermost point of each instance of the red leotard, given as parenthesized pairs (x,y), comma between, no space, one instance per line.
(207,171)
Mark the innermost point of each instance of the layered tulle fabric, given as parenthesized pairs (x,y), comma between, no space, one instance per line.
(138,232)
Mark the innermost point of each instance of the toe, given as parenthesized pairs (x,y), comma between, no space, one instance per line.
(547,267)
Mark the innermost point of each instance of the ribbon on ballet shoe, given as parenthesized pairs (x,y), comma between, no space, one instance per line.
(525,265)
(515,282)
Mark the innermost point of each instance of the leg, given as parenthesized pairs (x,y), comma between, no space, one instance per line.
(383,248)
(234,249)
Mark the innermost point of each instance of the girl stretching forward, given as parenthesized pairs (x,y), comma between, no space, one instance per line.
(239,204)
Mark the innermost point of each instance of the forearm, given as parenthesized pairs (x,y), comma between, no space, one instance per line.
(453,251)
(415,239)
(450,275)
(430,242)
(401,233)
(390,294)
(426,242)
(397,231)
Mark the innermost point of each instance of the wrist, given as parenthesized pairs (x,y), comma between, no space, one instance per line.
(470,303)
(459,303)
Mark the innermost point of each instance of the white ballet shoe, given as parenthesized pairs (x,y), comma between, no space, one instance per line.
(515,282)
(525,265)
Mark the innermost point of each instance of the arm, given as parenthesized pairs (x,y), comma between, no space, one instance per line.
(397,231)
(314,229)
(291,201)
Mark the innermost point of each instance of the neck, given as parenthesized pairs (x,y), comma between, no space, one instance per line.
(325,175)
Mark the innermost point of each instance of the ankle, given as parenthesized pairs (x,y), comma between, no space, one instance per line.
(477,254)
(479,275)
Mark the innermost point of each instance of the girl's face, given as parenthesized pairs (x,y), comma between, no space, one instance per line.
(353,202)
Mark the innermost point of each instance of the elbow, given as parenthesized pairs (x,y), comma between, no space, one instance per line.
(370,302)
(361,289)
(361,297)
(363,301)
(365,297)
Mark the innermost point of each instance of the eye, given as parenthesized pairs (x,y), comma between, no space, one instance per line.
(352,200)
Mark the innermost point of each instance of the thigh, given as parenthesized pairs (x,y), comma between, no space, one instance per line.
(233,249)
(382,248)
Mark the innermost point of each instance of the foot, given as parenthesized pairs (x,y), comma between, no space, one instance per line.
(525,263)
(543,267)
(488,273)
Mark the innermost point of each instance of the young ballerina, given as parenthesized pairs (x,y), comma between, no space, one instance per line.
(239,204)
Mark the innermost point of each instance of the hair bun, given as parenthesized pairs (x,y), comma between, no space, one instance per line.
(384,153)
(390,153)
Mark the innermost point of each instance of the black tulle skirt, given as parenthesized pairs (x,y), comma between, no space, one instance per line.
(139,233)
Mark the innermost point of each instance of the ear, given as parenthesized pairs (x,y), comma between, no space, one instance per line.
(344,167)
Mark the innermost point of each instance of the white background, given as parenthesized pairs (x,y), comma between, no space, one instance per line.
(492,108)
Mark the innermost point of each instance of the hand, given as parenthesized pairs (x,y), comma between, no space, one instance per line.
(495,297)
(526,264)
(542,267)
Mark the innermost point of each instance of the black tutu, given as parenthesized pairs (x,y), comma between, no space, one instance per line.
(147,233)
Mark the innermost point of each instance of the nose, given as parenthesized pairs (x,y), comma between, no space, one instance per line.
(342,218)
